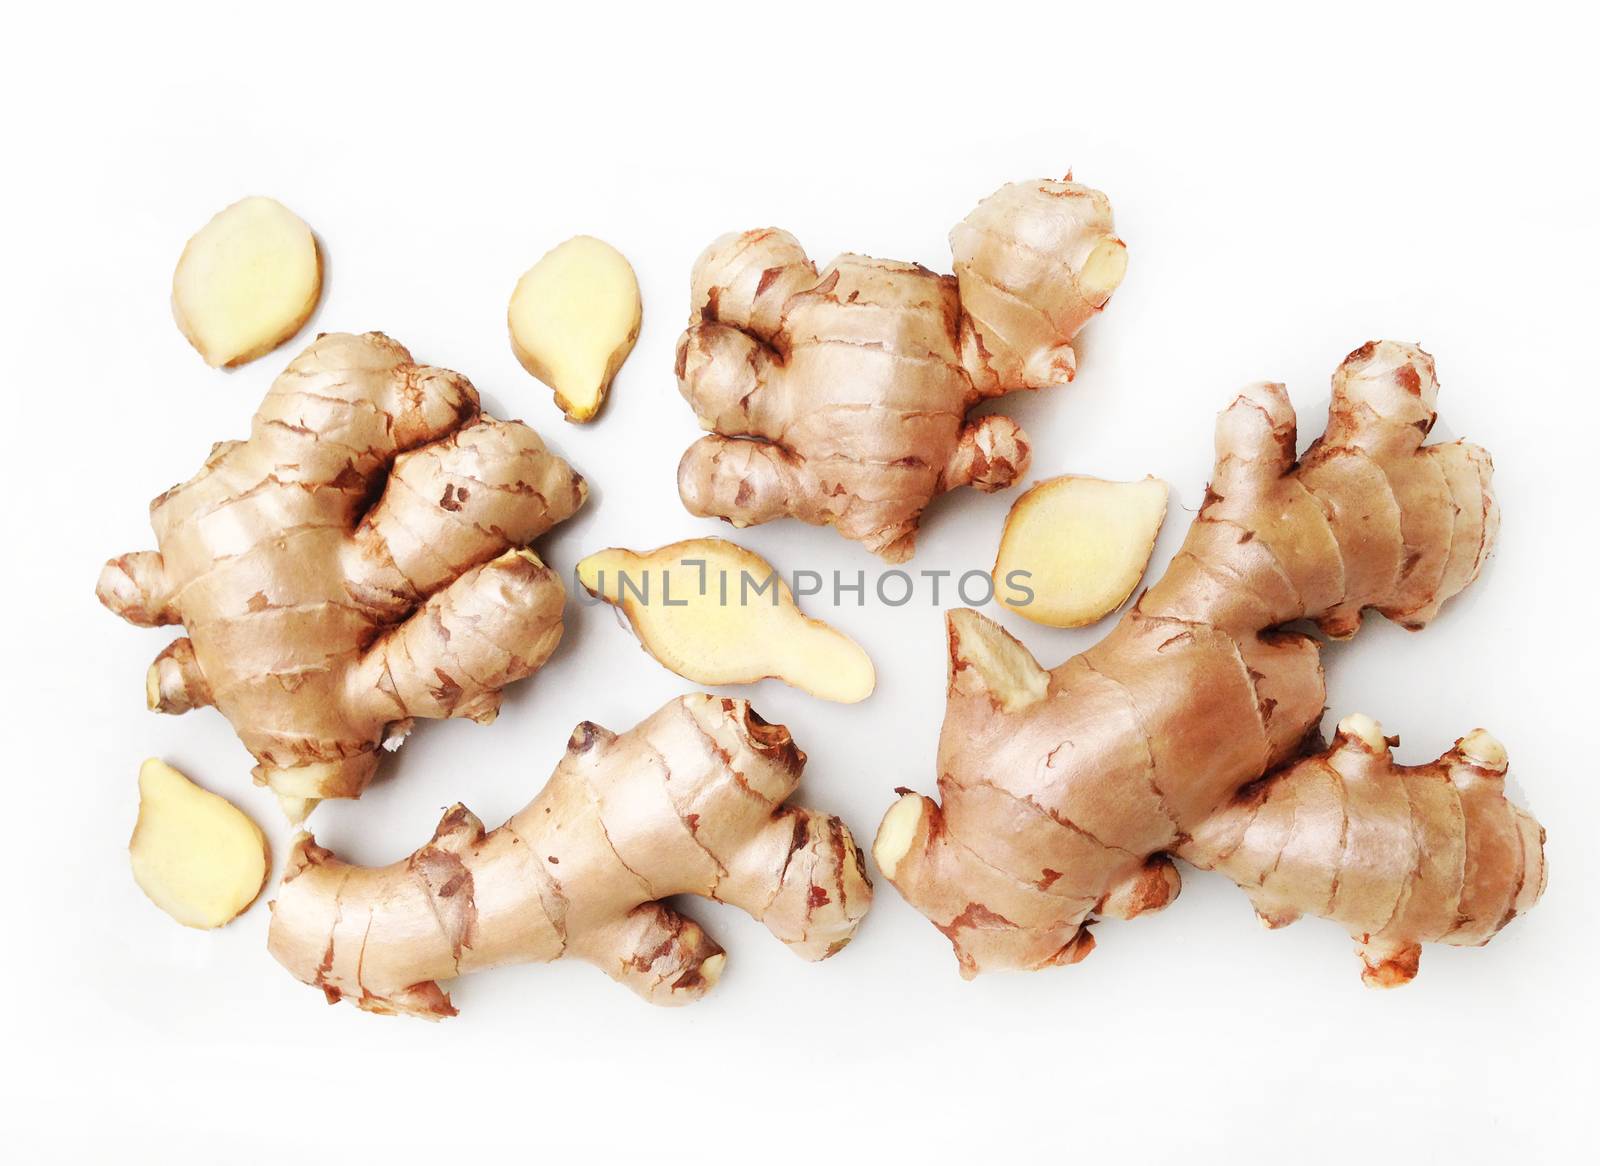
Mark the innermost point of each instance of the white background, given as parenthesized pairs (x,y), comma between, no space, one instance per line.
(1291,181)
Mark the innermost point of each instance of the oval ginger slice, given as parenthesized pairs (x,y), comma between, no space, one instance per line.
(715,613)
(246,282)
(574,317)
(1079,545)
(196,855)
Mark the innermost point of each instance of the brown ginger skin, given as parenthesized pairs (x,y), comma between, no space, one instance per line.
(1065,793)
(357,562)
(840,398)
(690,801)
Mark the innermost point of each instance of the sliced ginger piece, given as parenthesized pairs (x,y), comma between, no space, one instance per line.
(716,613)
(1084,544)
(246,282)
(574,317)
(196,855)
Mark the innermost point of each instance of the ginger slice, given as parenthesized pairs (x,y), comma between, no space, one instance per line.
(1082,545)
(574,317)
(246,282)
(196,855)
(716,613)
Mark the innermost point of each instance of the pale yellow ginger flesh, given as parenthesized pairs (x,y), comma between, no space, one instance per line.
(692,801)
(716,613)
(246,282)
(359,561)
(1080,546)
(1188,731)
(197,856)
(574,317)
(840,397)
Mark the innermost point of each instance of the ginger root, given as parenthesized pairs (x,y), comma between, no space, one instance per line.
(841,398)
(357,562)
(1397,853)
(716,613)
(246,282)
(688,802)
(1081,544)
(574,316)
(197,856)
(1066,793)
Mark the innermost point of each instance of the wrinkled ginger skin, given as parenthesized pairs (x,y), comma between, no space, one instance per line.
(357,562)
(690,801)
(841,398)
(1063,793)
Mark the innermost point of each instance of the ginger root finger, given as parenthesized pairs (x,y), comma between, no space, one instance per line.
(716,613)
(195,855)
(246,282)
(863,374)
(174,682)
(454,655)
(992,453)
(488,488)
(574,317)
(1184,731)
(759,479)
(135,586)
(1081,546)
(690,801)
(1399,855)
(359,561)
(662,955)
